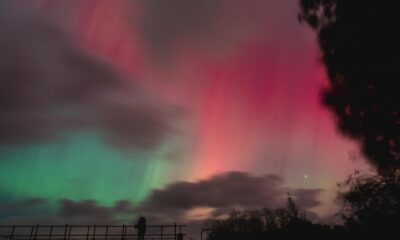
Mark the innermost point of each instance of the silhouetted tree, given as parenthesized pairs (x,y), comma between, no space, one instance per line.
(371,203)
(292,208)
(360,49)
(283,223)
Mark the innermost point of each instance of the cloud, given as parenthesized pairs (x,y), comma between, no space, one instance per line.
(85,210)
(49,85)
(67,212)
(222,193)
(211,27)
(23,204)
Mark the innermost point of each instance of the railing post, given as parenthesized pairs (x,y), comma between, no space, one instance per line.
(30,235)
(123,231)
(36,230)
(106,232)
(65,231)
(69,232)
(94,232)
(87,233)
(12,232)
(51,232)
(175,231)
(162,232)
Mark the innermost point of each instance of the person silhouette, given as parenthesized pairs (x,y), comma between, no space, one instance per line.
(141,228)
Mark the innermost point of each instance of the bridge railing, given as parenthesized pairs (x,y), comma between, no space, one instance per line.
(90,232)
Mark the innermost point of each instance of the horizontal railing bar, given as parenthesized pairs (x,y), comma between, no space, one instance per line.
(84,235)
(148,226)
(95,238)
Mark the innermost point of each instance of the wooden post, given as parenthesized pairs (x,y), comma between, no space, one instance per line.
(123,231)
(30,235)
(94,232)
(87,233)
(36,230)
(175,231)
(12,232)
(69,232)
(51,232)
(65,231)
(106,232)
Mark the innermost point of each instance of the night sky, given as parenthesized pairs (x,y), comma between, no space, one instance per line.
(177,110)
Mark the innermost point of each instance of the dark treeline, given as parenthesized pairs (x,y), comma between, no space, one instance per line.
(370,207)
(268,224)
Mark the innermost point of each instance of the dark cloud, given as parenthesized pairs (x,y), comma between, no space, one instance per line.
(222,193)
(48,85)
(87,210)
(67,212)
(242,188)
(23,204)
(123,206)
(91,212)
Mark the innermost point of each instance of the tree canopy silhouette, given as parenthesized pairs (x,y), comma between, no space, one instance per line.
(360,49)
(284,223)
(371,203)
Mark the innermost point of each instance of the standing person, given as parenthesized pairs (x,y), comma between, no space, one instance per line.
(141,228)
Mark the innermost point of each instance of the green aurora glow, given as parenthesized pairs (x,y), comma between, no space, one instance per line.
(78,168)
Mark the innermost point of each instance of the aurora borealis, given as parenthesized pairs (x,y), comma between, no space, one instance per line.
(217,87)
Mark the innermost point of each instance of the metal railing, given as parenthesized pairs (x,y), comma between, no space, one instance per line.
(90,232)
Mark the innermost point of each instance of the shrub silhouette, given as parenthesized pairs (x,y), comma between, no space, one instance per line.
(280,223)
(370,208)
(371,203)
